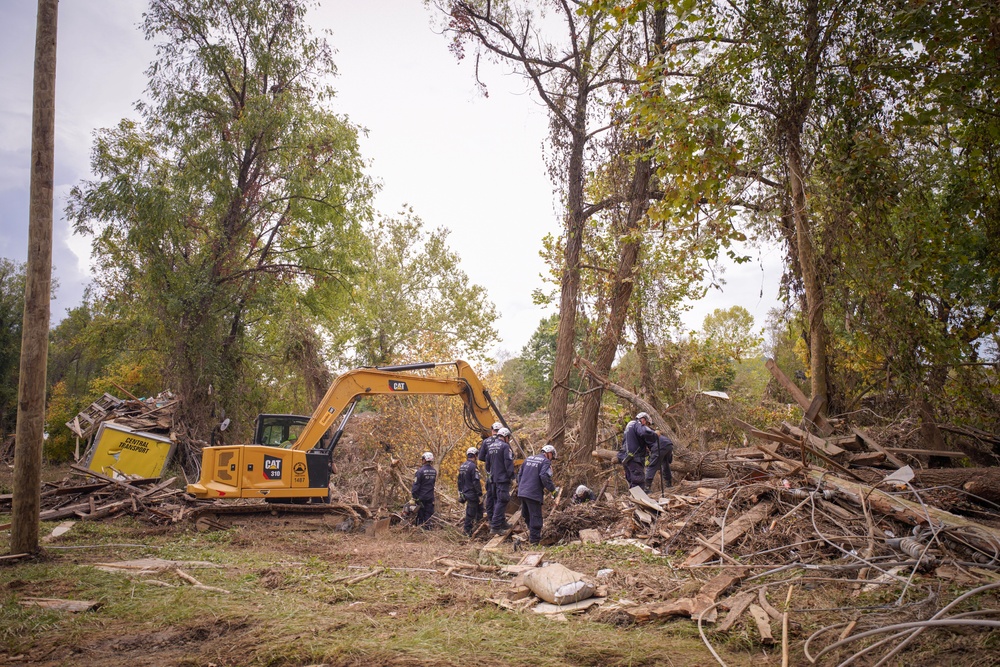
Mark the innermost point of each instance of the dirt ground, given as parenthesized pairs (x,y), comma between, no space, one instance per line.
(284,608)
(280,592)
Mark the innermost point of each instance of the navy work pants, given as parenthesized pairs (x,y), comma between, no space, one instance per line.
(531,512)
(473,513)
(499,518)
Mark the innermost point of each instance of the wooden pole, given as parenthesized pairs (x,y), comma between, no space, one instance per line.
(26,503)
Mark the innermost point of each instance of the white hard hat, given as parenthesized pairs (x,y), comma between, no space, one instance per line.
(428,456)
(497,426)
(549,449)
(641,415)
(580,490)
(471,451)
(504,432)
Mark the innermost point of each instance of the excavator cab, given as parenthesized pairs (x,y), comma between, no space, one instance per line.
(279,430)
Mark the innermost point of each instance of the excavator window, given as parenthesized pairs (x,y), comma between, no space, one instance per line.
(279,430)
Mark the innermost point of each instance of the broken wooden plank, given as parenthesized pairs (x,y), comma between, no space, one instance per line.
(926,452)
(814,441)
(866,459)
(719,584)
(763,622)
(61,529)
(640,497)
(730,533)
(868,440)
(60,605)
(497,540)
(737,604)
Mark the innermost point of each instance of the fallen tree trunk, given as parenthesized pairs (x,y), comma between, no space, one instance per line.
(695,465)
(982,482)
(634,399)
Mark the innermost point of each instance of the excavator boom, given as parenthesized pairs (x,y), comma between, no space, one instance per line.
(301,471)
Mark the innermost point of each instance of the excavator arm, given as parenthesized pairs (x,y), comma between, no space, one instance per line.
(399,380)
(302,470)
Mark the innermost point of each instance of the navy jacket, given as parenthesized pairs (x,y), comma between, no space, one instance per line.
(663,446)
(423,485)
(636,441)
(468,480)
(484,448)
(500,462)
(534,476)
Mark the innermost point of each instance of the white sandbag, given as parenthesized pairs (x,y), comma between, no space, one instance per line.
(558,584)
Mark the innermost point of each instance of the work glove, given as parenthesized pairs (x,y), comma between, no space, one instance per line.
(461,499)
(555,491)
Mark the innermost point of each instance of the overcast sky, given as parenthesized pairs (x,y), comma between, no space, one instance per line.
(470,163)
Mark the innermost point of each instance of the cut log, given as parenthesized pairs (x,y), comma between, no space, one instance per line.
(982,482)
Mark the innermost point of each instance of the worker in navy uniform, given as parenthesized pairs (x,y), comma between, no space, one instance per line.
(500,466)
(423,490)
(582,495)
(635,445)
(484,448)
(661,455)
(534,479)
(470,490)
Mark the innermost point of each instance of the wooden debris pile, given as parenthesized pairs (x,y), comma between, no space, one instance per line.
(97,496)
(152,415)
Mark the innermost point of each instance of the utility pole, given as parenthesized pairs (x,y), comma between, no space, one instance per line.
(26,506)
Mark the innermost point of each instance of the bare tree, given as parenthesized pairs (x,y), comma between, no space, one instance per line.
(574,79)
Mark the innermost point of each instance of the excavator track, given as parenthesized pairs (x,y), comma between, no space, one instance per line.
(333,516)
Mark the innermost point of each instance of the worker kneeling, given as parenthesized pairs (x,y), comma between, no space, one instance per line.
(533,480)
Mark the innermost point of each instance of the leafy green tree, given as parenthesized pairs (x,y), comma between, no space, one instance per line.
(411,297)
(731,332)
(527,378)
(237,191)
(11,315)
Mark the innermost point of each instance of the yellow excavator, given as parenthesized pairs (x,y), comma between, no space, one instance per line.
(282,470)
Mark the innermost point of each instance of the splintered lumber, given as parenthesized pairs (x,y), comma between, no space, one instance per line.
(763,622)
(640,497)
(61,605)
(702,604)
(813,441)
(730,533)
(499,539)
(870,441)
(928,452)
(822,424)
(736,604)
